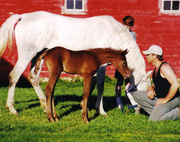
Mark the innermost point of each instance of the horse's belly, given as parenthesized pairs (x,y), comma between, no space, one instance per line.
(80,68)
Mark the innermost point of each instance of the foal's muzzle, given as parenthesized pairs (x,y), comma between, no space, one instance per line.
(126,76)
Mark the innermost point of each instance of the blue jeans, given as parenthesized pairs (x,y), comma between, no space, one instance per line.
(168,111)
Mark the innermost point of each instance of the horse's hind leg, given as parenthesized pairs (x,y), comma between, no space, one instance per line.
(54,110)
(100,87)
(55,68)
(34,80)
(49,97)
(13,79)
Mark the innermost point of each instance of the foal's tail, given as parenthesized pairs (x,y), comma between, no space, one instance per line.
(7,32)
(40,56)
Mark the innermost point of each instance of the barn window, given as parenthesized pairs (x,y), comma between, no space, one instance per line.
(74,7)
(169,6)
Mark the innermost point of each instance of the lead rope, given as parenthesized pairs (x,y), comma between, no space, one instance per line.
(128,91)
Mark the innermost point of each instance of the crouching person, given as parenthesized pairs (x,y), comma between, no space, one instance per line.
(161,100)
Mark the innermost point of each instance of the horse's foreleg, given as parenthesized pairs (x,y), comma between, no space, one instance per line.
(49,93)
(86,92)
(100,87)
(10,99)
(34,80)
(13,79)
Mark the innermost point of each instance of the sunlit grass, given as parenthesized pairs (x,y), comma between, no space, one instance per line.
(32,125)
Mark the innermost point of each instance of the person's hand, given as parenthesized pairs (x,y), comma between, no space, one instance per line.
(150,93)
(160,101)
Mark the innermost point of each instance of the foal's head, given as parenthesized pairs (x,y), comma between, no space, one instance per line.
(119,61)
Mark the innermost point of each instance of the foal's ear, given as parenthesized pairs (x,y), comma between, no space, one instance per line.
(125,52)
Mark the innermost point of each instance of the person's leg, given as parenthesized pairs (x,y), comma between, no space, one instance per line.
(119,83)
(172,115)
(168,111)
(141,98)
(118,94)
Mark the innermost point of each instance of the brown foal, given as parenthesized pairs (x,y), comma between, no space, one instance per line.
(85,63)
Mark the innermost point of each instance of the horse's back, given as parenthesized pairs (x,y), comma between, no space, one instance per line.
(50,30)
(74,62)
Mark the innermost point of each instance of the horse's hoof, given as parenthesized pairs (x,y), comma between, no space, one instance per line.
(101,112)
(56,119)
(12,110)
(86,121)
(51,120)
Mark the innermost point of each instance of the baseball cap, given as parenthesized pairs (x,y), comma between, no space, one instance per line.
(154,49)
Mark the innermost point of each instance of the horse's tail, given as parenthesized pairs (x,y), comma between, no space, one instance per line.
(7,32)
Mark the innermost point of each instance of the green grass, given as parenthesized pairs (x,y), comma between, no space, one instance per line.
(32,125)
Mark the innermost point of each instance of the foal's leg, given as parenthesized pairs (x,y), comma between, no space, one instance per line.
(54,110)
(13,79)
(86,92)
(55,68)
(100,87)
(34,80)
(49,98)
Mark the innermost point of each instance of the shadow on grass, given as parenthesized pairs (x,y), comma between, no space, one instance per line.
(109,103)
(37,104)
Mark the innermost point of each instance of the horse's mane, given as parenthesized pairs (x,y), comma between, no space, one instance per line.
(100,50)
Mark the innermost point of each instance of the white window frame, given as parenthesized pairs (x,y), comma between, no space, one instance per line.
(171,11)
(65,10)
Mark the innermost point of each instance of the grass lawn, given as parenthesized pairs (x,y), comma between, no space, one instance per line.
(32,124)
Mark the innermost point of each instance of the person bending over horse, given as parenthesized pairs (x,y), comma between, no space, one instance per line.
(161,100)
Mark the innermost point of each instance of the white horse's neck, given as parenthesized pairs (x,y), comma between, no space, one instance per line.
(123,40)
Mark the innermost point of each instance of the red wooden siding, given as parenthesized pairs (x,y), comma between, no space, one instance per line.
(150,26)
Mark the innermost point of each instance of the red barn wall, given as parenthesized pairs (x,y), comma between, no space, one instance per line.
(151,27)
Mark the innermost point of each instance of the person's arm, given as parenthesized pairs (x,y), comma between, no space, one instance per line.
(168,73)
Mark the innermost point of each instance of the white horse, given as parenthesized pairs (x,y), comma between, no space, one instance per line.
(39,30)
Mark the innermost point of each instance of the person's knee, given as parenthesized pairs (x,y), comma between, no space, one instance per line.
(139,96)
(154,118)
(158,112)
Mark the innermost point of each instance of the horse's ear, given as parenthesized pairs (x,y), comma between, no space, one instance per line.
(125,52)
